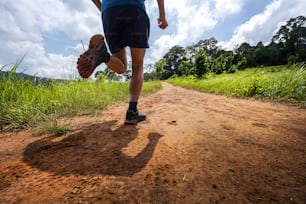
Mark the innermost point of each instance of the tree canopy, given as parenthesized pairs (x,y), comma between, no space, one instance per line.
(288,45)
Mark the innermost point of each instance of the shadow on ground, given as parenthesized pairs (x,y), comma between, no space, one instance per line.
(95,149)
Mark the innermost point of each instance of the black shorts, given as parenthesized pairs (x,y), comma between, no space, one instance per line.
(126,26)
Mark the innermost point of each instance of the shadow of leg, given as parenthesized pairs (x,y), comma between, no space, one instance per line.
(96,149)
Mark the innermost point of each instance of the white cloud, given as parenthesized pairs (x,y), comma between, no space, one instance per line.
(194,18)
(25,24)
(263,26)
(224,8)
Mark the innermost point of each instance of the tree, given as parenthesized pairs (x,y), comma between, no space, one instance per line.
(107,74)
(273,54)
(228,61)
(247,51)
(186,67)
(243,49)
(160,71)
(242,63)
(260,54)
(287,45)
(150,76)
(218,65)
(190,52)
(153,71)
(202,63)
(172,60)
(223,63)
(291,38)
(210,46)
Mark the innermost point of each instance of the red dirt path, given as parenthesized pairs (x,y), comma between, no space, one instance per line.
(194,148)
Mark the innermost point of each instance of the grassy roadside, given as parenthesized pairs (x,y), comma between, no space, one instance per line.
(277,83)
(23,104)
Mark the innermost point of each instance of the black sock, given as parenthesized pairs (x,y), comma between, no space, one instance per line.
(133,106)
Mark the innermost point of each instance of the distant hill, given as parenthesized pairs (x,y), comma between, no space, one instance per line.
(35,79)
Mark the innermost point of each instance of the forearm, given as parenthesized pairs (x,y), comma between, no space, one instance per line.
(97,4)
(161,7)
(162,22)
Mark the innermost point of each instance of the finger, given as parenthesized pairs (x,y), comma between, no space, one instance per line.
(163,25)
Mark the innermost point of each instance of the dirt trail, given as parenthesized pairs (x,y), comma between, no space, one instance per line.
(194,148)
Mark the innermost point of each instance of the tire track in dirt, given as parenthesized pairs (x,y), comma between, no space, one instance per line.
(193,148)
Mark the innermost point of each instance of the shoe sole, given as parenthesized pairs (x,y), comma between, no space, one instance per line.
(86,63)
(132,122)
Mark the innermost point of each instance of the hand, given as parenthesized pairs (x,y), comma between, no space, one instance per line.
(162,22)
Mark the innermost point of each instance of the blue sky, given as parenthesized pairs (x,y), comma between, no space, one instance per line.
(50,32)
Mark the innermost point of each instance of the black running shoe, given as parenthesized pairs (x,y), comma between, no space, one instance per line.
(133,117)
(93,57)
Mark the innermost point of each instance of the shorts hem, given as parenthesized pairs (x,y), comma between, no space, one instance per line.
(113,51)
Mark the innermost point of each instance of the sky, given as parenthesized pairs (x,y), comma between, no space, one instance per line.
(47,36)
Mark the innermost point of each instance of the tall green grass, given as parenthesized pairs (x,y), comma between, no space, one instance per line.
(23,104)
(278,83)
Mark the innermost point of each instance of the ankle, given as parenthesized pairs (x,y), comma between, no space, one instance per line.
(133,106)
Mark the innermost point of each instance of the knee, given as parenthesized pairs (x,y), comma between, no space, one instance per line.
(137,69)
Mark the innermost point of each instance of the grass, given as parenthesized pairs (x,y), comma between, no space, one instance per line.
(24,105)
(277,83)
(52,126)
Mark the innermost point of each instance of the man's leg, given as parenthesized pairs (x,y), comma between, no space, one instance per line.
(132,115)
(118,62)
(137,73)
(96,54)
